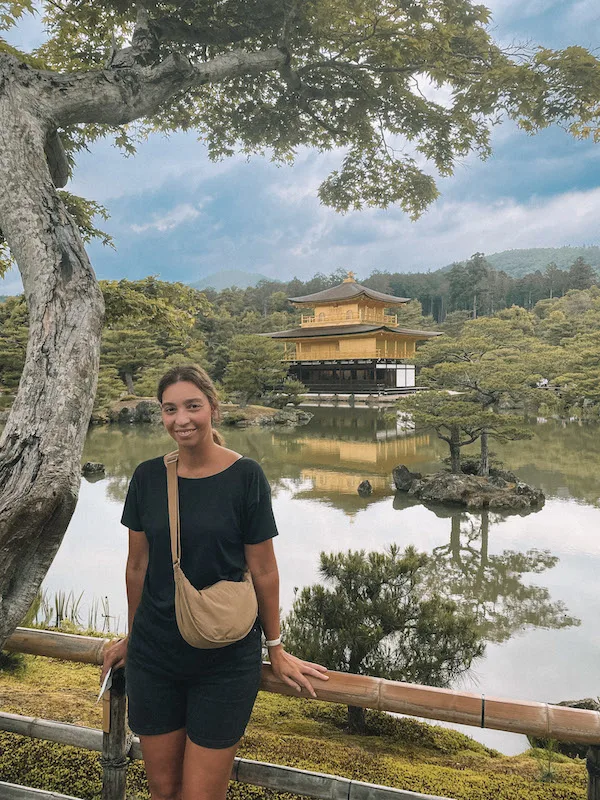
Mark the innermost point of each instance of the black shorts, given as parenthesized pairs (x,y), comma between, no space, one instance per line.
(214,705)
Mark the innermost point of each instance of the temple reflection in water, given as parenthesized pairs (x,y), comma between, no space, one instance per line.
(342,449)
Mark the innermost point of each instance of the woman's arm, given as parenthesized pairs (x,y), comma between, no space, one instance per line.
(262,564)
(265,576)
(135,573)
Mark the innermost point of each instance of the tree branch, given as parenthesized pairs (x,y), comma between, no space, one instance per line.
(121,95)
(57,160)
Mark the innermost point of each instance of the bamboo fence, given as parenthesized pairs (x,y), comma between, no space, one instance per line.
(516,716)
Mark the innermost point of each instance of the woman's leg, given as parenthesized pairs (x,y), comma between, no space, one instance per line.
(163,759)
(206,771)
(219,704)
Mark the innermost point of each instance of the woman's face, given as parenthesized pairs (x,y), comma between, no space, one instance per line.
(186,413)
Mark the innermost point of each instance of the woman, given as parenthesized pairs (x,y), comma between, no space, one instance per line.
(190,706)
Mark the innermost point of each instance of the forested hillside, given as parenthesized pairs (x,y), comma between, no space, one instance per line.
(228,277)
(518,263)
(152,324)
(479,285)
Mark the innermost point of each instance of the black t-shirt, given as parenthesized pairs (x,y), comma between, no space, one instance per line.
(219,514)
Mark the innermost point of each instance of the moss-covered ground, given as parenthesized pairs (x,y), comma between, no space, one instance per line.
(301,733)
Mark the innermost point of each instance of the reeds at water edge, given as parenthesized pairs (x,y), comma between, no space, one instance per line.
(63,611)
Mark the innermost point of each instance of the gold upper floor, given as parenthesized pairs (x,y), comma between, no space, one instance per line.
(367,346)
(351,313)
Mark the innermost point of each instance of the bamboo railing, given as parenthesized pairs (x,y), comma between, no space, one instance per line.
(258,773)
(467,708)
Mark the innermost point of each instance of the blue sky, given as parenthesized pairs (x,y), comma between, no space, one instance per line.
(177,215)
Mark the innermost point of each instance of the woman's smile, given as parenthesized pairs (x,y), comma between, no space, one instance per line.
(185,434)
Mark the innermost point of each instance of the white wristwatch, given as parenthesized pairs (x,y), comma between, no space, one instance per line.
(273,642)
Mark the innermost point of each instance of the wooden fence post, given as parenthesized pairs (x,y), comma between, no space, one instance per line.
(593,768)
(115,746)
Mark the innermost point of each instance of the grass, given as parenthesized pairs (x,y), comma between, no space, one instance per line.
(398,752)
(62,611)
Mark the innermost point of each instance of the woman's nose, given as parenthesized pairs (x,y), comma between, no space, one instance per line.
(181,417)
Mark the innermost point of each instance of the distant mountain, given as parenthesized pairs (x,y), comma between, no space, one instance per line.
(227,278)
(517,263)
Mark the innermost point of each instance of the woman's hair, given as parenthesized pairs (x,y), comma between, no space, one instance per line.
(199,377)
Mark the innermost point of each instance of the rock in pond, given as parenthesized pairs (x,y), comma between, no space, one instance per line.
(93,468)
(244,417)
(472,491)
(404,478)
(365,489)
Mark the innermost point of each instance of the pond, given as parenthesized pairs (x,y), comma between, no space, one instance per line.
(533,579)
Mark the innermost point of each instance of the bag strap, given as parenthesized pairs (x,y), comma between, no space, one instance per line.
(173,500)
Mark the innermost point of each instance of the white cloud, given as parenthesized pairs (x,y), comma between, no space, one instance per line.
(449,231)
(171,219)
(180,160)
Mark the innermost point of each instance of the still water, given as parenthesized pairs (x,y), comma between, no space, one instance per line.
(532,579)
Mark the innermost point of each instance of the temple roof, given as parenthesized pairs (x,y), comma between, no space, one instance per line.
(348,290)
(345,330)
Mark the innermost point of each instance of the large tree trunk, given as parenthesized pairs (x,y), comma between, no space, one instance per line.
(129,383)
(40,448)
(357,722)
(484,462)
(455,451)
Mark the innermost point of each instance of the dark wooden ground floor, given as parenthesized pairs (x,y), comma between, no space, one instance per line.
(356,375)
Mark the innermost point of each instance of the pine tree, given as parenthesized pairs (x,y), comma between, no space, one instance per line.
(377,616)
(255,368)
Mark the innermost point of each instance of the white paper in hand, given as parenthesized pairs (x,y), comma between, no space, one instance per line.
(106,684)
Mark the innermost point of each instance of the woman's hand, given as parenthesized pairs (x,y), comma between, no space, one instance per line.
(115,655)
(293,671)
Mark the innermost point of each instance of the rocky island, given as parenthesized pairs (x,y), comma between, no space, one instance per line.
(501,490)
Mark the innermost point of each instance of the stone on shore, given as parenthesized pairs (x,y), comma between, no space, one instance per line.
(247,416)
(472,491)
(146,411)
(142,412)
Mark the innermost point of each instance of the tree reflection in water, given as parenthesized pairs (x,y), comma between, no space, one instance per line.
(492,584)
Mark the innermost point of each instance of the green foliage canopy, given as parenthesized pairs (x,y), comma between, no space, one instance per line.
(255,368)
(351,76)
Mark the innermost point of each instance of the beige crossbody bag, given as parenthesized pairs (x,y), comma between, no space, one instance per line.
(219,614)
